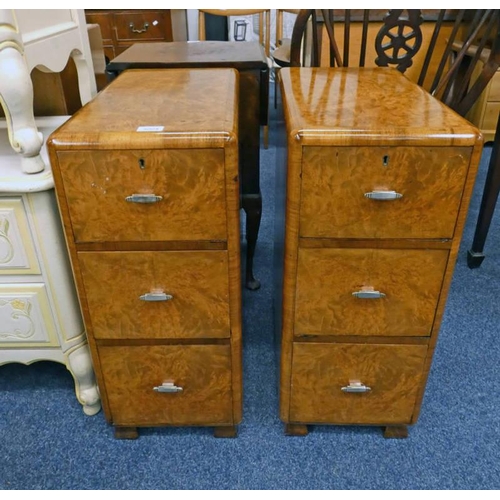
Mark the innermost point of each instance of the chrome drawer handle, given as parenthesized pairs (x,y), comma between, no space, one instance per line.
(383,195)
(144,28)
(356,386)
(168,387)
(156,297)
(143,198)
(368,294)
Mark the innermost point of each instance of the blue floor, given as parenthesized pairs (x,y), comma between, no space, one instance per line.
(46,442)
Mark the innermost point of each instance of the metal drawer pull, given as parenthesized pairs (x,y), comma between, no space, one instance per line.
(143,198)
(144,28)
(356,386)
(167,387)
(156,297)
(369,294)
(383,195)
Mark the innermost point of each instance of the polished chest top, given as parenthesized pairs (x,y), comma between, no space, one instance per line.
(154,108)
(349,106)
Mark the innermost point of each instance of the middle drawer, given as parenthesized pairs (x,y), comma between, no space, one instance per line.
(138,295)
(366,291)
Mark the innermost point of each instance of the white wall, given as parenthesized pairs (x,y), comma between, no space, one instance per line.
(289,19)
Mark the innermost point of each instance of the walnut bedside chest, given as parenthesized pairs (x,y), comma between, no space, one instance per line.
(372,200)
(147,184)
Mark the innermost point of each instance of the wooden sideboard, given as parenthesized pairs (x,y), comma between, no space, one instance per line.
(122,28)
(372,196)
(147,182)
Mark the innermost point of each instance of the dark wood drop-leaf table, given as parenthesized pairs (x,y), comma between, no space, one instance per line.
(249,60)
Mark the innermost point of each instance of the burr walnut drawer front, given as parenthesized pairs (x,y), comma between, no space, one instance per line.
(381,192)
(364,291)
(174,294)
(154,195)
(355,383)
(168,384)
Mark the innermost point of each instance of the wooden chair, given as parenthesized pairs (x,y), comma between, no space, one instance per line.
(264,33)
(454,58)
(281,53)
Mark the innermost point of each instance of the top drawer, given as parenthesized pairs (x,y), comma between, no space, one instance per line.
(17,248)
(104,22)
(156,195)
(147,25)
(337,182)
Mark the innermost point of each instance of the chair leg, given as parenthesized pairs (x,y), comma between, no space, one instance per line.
(475,255)
(266,136)
(253,209)
(275,91)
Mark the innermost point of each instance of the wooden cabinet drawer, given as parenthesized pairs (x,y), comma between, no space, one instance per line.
(195,284)
(320,371)
(202,371)
(26,316)
(336,179)
(17,248)
(147,25)
(190,183)
(327,277)
(104,22)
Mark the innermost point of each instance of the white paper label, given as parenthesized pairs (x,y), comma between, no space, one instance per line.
(150,128)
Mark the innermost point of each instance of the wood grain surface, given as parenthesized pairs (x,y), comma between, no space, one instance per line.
(452,260)
(327,277)
(335,180)
(331,239)
(291,219)
(177,100)
(319,371)
(204,373)
(197,281)
(207,53)
(367,106)
(190,182)
(231,152)
(194,245)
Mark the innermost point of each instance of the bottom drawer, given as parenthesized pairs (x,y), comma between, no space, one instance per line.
(202,371)
(320,371)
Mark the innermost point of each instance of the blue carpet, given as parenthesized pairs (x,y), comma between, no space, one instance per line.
(46,442)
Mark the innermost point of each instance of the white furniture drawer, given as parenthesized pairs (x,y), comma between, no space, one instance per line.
(17,251)
(25,316)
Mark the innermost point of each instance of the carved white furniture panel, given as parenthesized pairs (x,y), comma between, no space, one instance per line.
(40,317)
(25,316)
(17,251)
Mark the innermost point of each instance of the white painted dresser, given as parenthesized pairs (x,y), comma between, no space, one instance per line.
(40,317)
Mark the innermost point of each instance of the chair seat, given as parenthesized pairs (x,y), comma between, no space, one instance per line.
(281,55)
